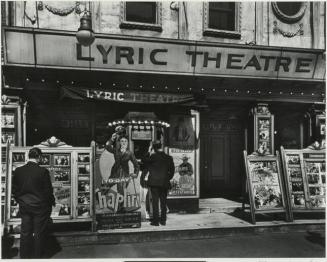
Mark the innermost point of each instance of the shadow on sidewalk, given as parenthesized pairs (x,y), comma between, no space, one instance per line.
(52,247)
(316,238)
(7,246)
(246,216)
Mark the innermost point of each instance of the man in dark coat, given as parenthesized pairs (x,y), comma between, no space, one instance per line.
(161,170)
(32,189)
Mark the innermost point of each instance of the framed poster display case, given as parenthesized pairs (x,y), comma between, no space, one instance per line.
(71,172)
(320,126)
(263,129)
(305,179)
(183,149)
(265,185)
(12,134)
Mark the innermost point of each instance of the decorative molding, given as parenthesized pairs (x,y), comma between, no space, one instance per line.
(174,6)
(236,34)
(10,100)
(253,42)
(262,109)
(261,151)
(142,26)
(53,142)
(316,146)
(61,12)
(276,30)
(286,18)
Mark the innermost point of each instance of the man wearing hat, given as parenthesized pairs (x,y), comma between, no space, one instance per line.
(161,170)
(32,189)
(185,168)
(185,171)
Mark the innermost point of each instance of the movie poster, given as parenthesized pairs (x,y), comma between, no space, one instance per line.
(117,200)
(182,132)
(62,196)
(118,195)
(182,148)
(316,176)
(183,182)
(295,178)
(59,166)
(266,184)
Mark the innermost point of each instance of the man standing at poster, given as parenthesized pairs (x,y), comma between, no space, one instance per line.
(32,189)
(161,170)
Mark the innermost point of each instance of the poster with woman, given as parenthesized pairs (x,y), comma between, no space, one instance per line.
(117,189)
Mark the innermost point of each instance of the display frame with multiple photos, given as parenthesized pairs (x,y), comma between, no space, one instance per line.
(308,160)
(265,185)
(84,182)
(264,131)
(65,187)
(13,127)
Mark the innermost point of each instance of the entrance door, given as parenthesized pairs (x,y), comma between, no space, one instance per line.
(221,158)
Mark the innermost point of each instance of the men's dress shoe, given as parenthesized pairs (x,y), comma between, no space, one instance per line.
(154,224)
(163,223)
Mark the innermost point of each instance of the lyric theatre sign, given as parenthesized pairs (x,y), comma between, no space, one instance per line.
(145,55)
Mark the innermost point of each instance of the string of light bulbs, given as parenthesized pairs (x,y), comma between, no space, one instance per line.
(138,123)
(217,90)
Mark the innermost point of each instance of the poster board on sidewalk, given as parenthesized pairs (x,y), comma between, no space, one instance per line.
(117,200)
(305,179)
(265,184)
(71,173)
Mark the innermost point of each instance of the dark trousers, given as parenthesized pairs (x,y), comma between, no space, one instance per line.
(159,193)
(33,233)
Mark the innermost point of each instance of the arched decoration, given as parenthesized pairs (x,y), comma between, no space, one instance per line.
(289,12)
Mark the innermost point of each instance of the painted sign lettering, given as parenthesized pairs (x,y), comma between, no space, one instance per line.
(105,95)
(234,61)
(143,55)
(125,96)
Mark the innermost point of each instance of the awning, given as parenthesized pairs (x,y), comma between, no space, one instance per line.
(125,96)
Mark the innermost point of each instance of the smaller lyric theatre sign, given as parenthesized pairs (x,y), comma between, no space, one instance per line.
(145,55)
(124,96)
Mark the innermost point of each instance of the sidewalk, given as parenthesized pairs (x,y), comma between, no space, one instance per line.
(216,218)
(192,226)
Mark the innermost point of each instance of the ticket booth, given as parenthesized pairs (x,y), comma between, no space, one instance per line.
(142,128)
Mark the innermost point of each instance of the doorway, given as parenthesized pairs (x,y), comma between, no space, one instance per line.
(221,157)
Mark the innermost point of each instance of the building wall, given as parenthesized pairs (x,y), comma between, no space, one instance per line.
(259,24)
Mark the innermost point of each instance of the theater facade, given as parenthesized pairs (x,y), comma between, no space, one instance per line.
(201,97)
